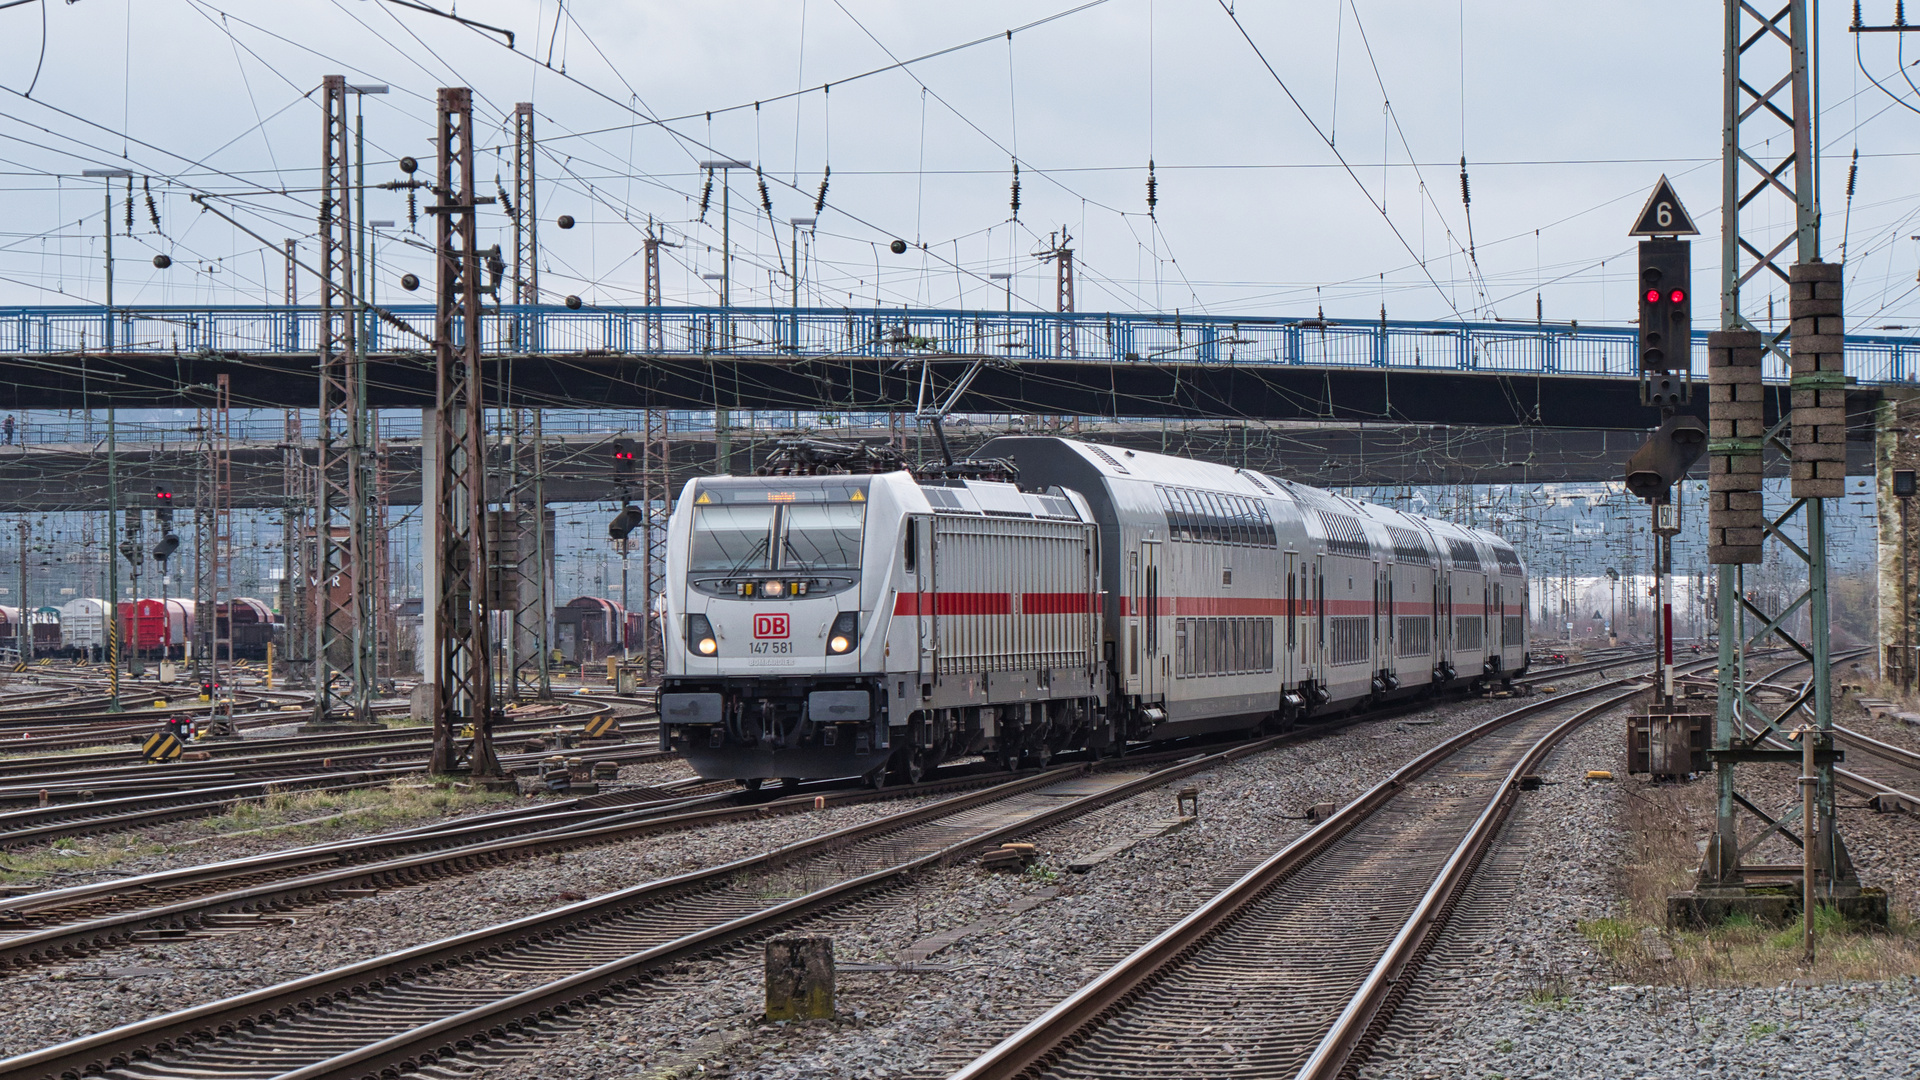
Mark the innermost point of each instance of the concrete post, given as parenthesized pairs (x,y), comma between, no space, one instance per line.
(1892,451)
(800,978)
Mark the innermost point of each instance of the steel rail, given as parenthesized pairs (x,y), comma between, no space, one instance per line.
(260,881)
(1386,984)
(173,1030)
(275,880)
(1029,1049)
(262,1006)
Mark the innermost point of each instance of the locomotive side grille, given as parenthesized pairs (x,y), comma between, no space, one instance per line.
(1013,594)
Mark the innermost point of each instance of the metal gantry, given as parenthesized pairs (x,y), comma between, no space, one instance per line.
(527,574)
(296,552)
(213,556)
(463,689)
(1769,177)
(344,628)
(525,209)
(656,500)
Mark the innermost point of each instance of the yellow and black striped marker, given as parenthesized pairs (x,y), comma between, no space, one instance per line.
(161,746)
(601,726)
(466,732)
(21,666)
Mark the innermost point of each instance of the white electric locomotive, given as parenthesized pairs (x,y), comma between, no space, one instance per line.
(876,624)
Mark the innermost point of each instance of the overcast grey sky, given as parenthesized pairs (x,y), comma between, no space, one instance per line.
(1566,115)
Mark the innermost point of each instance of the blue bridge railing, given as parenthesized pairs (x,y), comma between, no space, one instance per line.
(824,333)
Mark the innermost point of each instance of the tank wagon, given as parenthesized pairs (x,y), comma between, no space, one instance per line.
(876,624)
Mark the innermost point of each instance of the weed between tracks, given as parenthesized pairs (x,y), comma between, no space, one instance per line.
(1665,825)
(282,816)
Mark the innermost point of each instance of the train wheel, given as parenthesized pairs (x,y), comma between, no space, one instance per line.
(912,766)
(752,783)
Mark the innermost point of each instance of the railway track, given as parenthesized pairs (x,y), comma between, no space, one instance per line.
(408,1008)
(1247,985)
(51,926)
(1887,775)
(39,824)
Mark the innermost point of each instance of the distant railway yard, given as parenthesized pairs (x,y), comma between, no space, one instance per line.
(1465,886)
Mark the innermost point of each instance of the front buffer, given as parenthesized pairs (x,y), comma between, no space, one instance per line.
(810,728)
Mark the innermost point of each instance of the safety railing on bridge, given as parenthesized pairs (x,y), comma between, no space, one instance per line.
(817,333)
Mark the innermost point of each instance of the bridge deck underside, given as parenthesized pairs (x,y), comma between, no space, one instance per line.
(50,477)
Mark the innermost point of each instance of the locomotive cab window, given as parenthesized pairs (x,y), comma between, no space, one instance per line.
(727,538)
(913,543)
(735,538)
(821,536)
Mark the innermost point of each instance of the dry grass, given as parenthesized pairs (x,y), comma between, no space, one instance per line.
(293,816)
(1665,824)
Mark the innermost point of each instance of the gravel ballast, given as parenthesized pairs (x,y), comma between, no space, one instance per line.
(46,1005)
(705,1020)
(1527,994)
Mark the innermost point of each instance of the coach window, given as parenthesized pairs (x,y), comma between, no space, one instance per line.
(913,538)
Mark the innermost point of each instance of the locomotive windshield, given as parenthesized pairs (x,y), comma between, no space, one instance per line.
(731,538)
(735,538)
(822,536)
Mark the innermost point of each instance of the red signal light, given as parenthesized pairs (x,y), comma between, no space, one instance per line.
(1679,296)
(1653,296)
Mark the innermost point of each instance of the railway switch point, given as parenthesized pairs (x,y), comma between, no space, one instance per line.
(800,978)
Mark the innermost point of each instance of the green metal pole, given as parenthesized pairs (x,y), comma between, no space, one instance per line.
(112,614)
(1817,616)
(1723,856)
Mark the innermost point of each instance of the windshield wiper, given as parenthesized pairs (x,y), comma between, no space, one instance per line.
(759,547)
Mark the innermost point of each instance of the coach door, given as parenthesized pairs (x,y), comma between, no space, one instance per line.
(1291,615)
(1146,606)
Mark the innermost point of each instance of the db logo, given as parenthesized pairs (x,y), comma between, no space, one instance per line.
(769,626)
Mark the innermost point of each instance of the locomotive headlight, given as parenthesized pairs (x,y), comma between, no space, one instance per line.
(700,636)
(845,631)
(773,588)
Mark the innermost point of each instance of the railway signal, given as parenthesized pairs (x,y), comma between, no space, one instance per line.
(624,522)
(1666,328)
(1665,285)
(1665,457)
(163,514)
(622,459)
